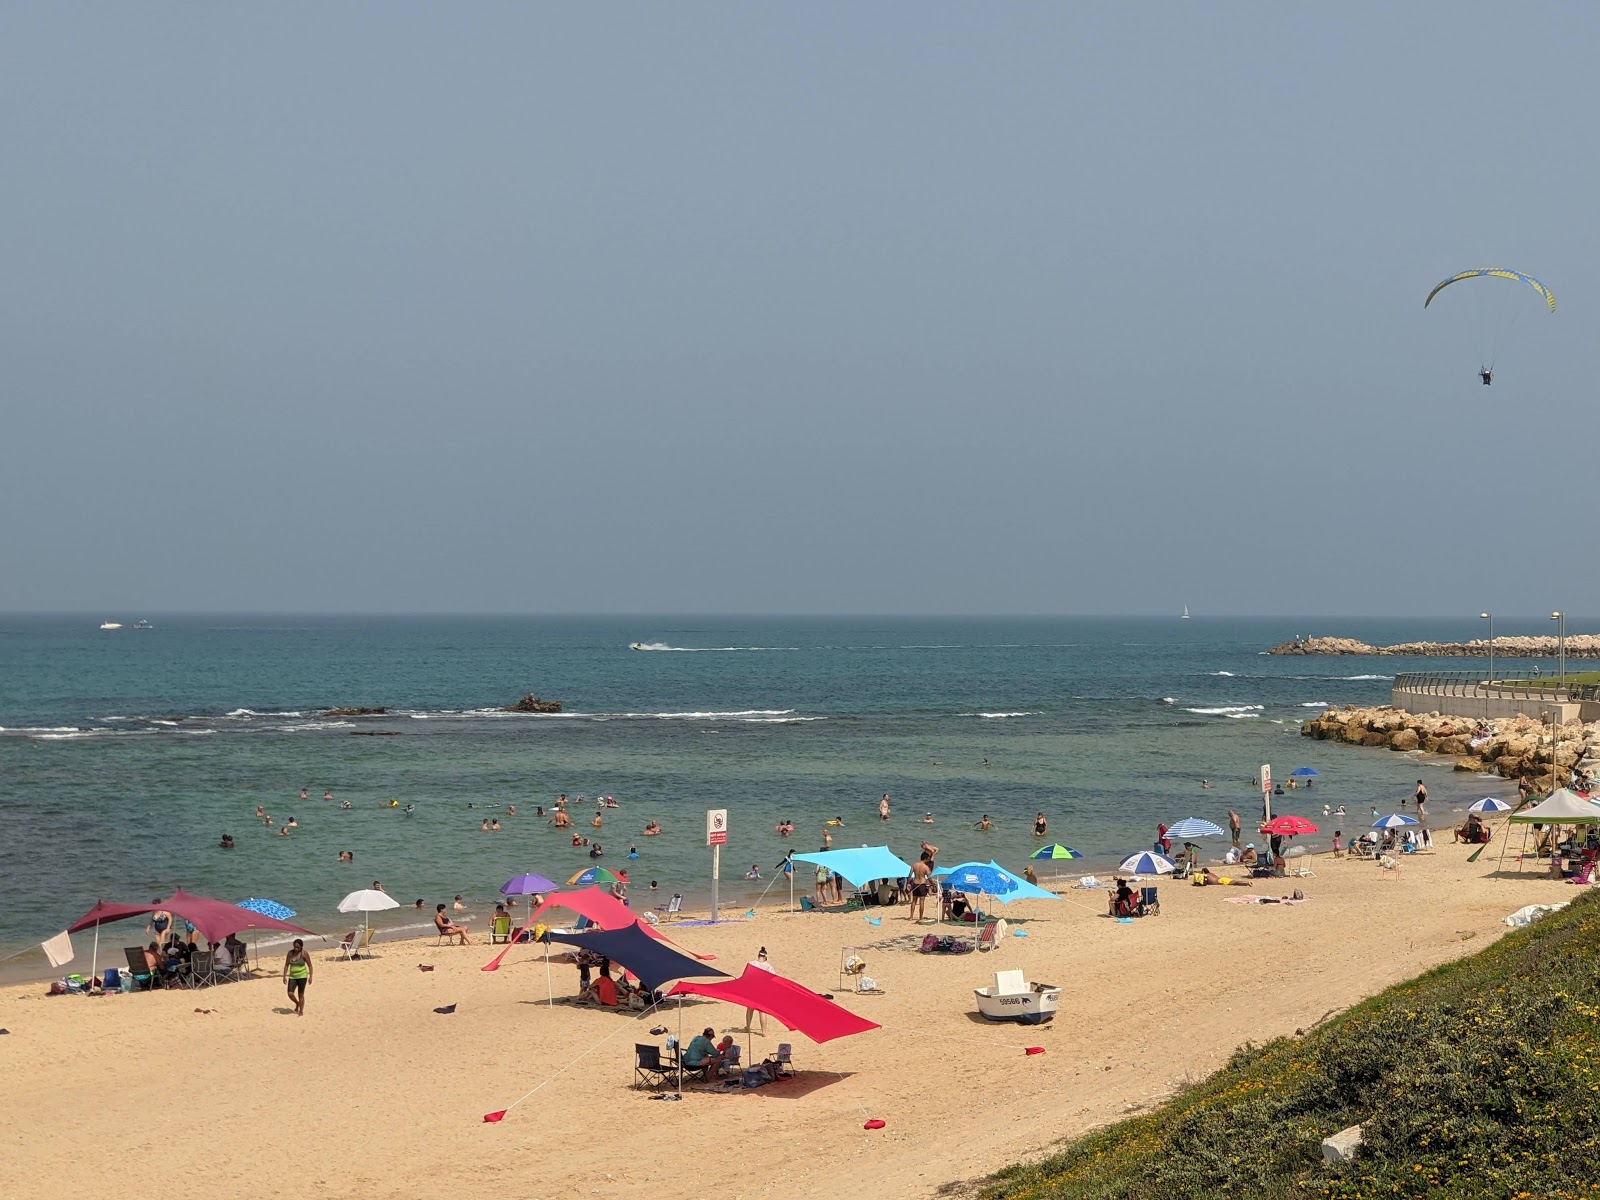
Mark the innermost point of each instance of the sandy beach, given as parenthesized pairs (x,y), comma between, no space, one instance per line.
(373,1095)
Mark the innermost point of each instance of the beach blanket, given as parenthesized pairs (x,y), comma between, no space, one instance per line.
(1531,913)
(1264,900)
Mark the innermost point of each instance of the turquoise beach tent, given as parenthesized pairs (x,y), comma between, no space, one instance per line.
(860,865)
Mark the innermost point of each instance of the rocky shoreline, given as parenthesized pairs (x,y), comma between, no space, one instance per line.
(1579,645)
(1509,746)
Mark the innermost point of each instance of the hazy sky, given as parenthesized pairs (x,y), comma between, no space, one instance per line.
(915,307)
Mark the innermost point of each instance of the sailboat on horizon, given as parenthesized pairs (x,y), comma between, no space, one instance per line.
(1185,616)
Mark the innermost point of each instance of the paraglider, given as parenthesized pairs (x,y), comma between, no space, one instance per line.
(1494,310)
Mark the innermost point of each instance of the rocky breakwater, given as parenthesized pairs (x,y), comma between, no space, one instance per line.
(1511,746)
(1579,645)
(532,704)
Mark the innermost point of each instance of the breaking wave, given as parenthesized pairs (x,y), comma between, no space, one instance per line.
(1232,711)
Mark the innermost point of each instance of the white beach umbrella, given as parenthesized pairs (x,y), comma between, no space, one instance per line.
(367,901)
(1147,863)
(1488,805)
(1395,821)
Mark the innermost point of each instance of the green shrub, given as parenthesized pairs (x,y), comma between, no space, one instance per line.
(1480,1078)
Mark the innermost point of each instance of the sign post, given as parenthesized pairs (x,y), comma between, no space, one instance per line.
(716,838)
(1266,792)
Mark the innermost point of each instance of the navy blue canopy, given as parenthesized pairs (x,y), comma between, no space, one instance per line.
(652,962)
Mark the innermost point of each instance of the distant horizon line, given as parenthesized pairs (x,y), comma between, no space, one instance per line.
(100,615)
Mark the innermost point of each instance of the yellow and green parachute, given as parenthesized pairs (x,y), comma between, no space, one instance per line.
(1496,273)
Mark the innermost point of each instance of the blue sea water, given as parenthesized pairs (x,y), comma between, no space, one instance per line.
(125,754)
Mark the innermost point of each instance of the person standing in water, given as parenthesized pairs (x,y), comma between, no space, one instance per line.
(883,807)
(296,975)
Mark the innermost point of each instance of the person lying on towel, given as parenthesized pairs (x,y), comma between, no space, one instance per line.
(1208,877)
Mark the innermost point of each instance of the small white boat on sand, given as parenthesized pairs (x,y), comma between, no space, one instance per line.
(1013,998)
(110,624)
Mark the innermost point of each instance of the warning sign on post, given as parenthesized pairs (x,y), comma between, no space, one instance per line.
(716,827)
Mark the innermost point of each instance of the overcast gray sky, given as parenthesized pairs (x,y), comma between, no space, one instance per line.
(916,307)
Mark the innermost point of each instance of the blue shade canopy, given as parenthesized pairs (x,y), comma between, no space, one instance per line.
(860,865)
(1191,827)
(655,963)
(1394,821)
(1302,771)
(268,908)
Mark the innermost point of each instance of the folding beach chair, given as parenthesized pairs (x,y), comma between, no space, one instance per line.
(201,971)
(1149,902)
(986,937)
(348,944)
(782,1059)
(649,1069)
(137,967)
(500,930)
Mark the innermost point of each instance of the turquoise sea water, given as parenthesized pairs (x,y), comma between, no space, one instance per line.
(126,754)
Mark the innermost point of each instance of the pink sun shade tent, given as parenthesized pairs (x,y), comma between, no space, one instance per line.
(606,911)
(795,1007)
(216,919)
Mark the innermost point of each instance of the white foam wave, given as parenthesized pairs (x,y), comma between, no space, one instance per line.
(1232,711)
(778,720)
(1314,704)
(741,714)
(1224,674)
(1363,676)
(46,729)
(1169,700)
(243,714)
(311,725)
(997,716)
(663,647)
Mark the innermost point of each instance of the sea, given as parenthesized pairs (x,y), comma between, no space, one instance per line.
(126,754)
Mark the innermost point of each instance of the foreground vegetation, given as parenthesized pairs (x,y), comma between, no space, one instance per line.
(1479,1079)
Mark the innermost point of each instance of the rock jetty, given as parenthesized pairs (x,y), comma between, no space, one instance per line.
(354,711)
(1580,645)
(532,704)
(1509,746)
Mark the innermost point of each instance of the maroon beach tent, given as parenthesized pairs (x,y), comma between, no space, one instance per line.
(216,919)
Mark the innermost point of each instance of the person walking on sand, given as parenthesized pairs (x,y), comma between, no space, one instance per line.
(296,975)
(1233,827)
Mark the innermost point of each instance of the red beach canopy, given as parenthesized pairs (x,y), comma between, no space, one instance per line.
(796,1007)
(606,911)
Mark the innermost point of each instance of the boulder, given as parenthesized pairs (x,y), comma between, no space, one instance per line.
(532,704)
(1475,765)
(1403,739)
(1341,1147)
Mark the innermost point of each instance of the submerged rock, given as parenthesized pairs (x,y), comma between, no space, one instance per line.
(355,712)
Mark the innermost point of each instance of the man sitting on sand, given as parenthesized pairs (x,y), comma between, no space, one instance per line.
(447,927)
(1209,877)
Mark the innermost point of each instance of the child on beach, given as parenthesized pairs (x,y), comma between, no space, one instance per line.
(1338,843)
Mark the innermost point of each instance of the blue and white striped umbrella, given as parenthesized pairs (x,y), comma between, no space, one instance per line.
(1488,804)
(1193,827)
(1146,863)
(268,908)
(1395,821)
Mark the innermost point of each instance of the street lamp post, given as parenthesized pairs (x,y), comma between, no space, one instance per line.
(1489,617)
(1561,643)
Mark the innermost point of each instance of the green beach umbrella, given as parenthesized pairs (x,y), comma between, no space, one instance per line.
(1057,852)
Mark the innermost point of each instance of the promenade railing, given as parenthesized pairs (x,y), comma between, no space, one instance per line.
(1472,683)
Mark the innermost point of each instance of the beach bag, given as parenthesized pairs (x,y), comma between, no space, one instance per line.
(58,987)
(127,984)
(930,943)
(753,1077)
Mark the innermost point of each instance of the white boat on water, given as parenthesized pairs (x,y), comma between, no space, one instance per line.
(143,625)
(110,624)
(1013,998)
(1185,616)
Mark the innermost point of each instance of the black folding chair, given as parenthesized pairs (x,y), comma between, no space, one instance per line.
(649,1070)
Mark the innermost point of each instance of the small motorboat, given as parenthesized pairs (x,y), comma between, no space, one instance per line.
(110,624)
(636,646)
(1013,998)
(143,625)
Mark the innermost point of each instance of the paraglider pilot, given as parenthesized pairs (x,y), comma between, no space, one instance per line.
(1487,376)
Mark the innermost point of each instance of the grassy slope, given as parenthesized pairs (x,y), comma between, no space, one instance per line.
(1480,1078)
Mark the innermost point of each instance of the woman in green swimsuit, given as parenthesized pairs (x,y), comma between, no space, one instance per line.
(296,974)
